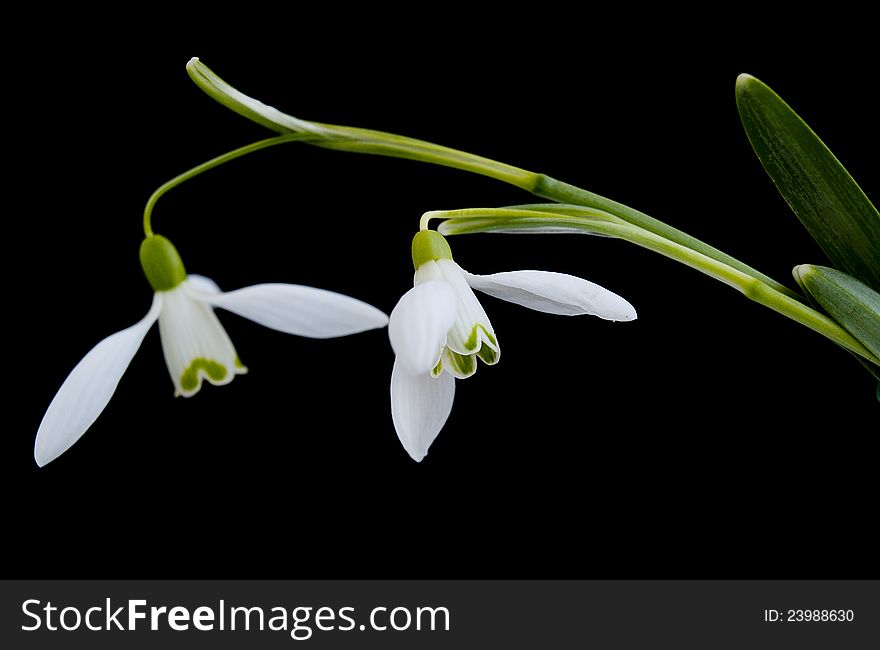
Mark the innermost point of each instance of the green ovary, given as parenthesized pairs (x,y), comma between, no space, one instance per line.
(189,380)
(429,246)
(161,263)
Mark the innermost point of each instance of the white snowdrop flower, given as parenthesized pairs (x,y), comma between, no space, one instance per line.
(195,344)
(439,328)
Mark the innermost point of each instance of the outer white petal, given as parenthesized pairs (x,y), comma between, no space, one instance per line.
(419,323)
(554,293)
(471,328)
(200,284)
(89,387)
(195,344)
(420,406)
(295,309)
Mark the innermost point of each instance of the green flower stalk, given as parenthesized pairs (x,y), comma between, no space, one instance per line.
(581,211)
(357,140)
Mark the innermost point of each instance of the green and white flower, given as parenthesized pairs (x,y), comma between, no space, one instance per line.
(438,330)
(195,344)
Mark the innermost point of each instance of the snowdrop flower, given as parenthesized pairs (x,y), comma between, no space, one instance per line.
(196,346)
(438,330)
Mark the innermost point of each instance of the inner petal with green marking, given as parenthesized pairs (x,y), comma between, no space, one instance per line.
(195,344)
(473,341)
(460,365)
(489,353)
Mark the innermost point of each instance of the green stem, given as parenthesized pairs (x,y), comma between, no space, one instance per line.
(205,166)
(562,209)
(346,138)
(550,188)
(358,140)
(505,219)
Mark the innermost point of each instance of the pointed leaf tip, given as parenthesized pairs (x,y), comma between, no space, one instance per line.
(850,302)
(817,187)
(743,79)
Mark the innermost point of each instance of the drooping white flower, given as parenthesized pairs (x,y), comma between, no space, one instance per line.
(439,328)
(195,344)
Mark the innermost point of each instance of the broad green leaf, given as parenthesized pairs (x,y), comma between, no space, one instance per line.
(853,304)
(818,188)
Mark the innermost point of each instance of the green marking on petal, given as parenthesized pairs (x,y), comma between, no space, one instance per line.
(461,366)
(189,380)
(488,355)
(438,369)
(238,364)
(429,246)
(473,340)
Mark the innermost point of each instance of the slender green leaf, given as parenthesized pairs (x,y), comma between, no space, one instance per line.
(853,304)
(872,368)
(818,188)
(867,365)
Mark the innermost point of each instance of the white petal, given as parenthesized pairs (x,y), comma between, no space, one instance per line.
(554,293)
(295,309)
(89,387)
(419,323)
(195,344)
(471,328)
(428,272)
(201,284)
(420,405)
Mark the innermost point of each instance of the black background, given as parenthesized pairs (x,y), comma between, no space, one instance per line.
(709,437)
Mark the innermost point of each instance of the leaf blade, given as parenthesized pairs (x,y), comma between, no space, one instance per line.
(817,187)
(853,304)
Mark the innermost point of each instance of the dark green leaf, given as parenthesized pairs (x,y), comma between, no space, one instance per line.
(818,188)
(853,304)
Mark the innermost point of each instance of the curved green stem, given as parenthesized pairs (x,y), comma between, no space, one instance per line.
(507,220)
(550,188)
(205,166)
(346,138)
(358,140)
